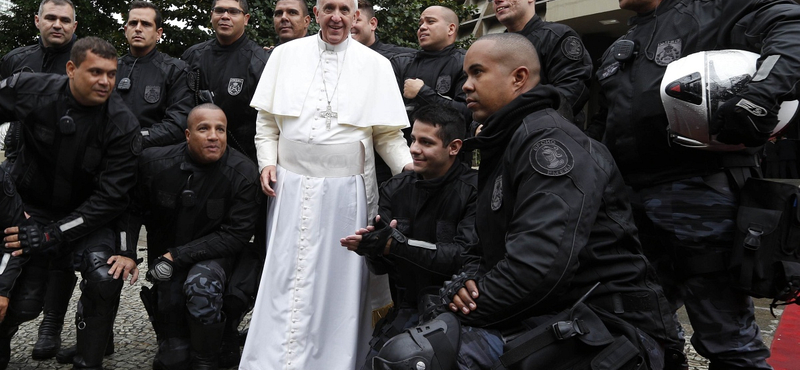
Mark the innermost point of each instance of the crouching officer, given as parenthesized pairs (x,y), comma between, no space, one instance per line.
(433,209)
(199,200)
(70,181)
(552,221)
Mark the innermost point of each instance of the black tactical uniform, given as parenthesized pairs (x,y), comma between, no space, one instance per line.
(675,185)
(565,63)
(157,89)
(388,50)
(74,174)
(443,74)
(37,58)
(204,216)
(552,220)
(61,283)
(438,218)
(231,73)
(32,58)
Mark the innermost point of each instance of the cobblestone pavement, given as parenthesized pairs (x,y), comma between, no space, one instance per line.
(135,341)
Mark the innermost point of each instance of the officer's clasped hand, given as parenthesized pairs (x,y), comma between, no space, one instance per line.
(740,121)
(161,270)
(35,238)
(373,243)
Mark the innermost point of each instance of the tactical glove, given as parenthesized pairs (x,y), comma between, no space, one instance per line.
(37,239)
(161,270)
(452,286)
(740,121)
(373,243)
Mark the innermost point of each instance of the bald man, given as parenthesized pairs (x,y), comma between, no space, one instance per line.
(552,221)
(433,75)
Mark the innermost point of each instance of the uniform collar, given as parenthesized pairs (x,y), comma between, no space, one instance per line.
(455,170)
(129,57)
(435,54)
(234,46)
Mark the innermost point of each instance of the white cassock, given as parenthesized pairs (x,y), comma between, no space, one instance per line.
(316,299)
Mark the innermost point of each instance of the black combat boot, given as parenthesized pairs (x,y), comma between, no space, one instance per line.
(66,355)
(92,338)
(205,344)
(59,291)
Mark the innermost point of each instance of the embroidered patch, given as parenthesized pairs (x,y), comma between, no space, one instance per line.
(152,94)
(667,52)
(572,48)
(607,71)
(137,144)
(497,194)
(235,86)
(443,84)
(551,158)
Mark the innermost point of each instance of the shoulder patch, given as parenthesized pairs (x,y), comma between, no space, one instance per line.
(550,157)
(668,51)
(572,48)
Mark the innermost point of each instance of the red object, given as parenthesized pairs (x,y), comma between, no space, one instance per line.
(786,342)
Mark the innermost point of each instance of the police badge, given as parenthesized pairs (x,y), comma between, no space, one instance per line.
(443,84)
(667,52)
(152,94)
(235,86)
(551,158)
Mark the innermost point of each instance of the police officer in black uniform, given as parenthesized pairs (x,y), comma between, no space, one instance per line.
(226,70)
(229,67)
(552,221)
(199,200)
(56,23)
(434,74)
(152,83)
(70,180)
(433,211)
(565,62)
(685,200)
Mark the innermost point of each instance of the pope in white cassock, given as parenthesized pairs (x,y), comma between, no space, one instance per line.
(324,102)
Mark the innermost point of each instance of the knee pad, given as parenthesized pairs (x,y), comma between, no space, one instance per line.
(431,346)
(94,264)
(203,290)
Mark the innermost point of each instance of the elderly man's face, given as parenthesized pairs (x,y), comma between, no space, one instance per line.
(490,85)
(289,21)
(206,135)
(335,18)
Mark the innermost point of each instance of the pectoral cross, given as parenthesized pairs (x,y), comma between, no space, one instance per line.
(328,114)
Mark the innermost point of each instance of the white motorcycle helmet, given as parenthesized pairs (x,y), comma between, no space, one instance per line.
(694,87)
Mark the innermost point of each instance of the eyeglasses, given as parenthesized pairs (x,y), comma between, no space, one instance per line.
(232,11)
